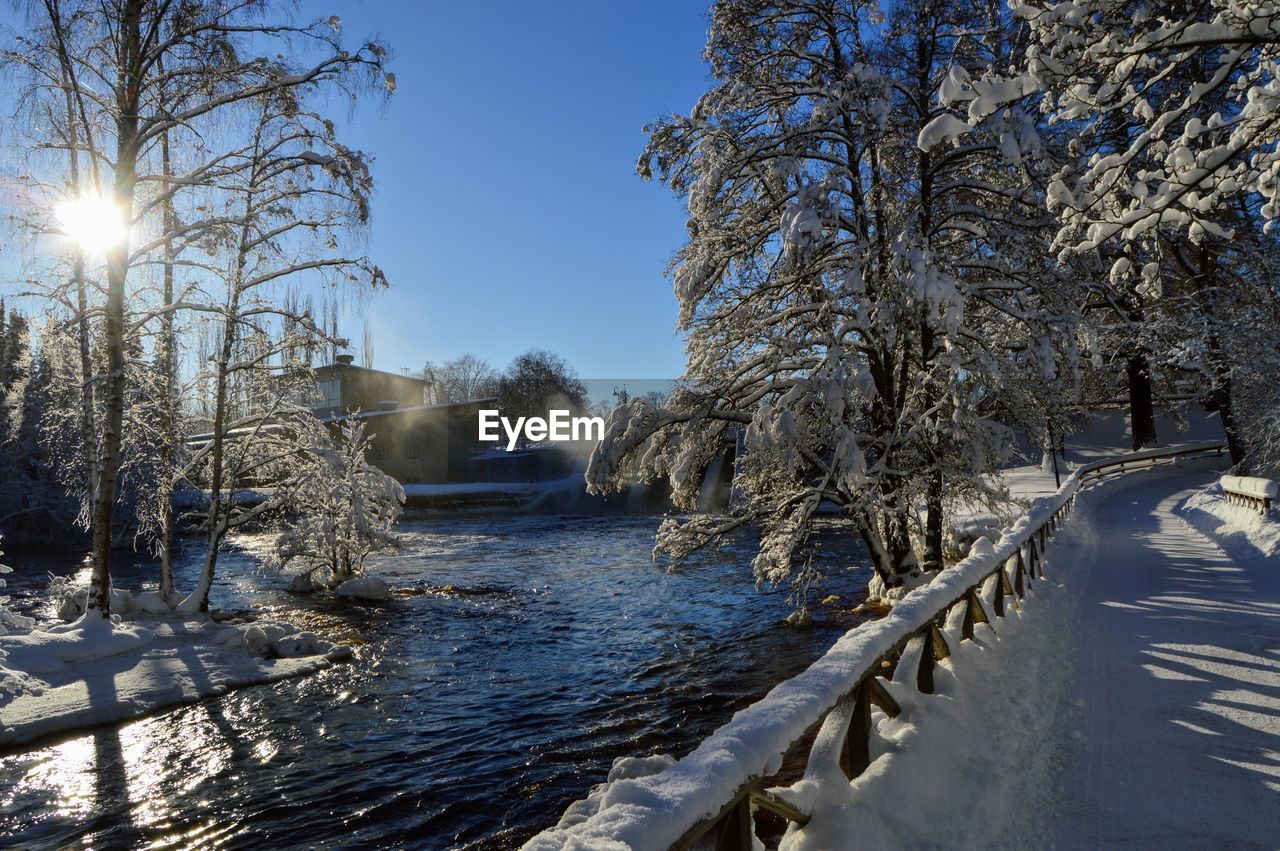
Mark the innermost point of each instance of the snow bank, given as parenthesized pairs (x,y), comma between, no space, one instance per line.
(95,672)
(71,601)
(86,640)
(624,768)
(908,796)
(960,535)
(1242,532)
(364,588)
(1251,486)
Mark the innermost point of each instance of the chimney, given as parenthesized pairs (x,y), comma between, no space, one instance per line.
(345,360)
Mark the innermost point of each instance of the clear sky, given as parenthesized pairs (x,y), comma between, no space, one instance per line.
(508,214)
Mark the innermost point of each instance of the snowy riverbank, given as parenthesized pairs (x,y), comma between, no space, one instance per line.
(92,672)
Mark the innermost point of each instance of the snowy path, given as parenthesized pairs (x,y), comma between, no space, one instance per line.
(1170,734)
(1135,702)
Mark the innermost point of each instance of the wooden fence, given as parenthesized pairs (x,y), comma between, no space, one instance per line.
(1250,492)
(970,591)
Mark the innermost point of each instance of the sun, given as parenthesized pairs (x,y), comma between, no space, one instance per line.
(94,223)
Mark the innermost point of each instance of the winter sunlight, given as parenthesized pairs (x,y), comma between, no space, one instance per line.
(589,426)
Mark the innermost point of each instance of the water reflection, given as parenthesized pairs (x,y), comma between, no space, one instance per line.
(528,653)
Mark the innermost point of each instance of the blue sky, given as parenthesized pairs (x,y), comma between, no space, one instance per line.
(508,214)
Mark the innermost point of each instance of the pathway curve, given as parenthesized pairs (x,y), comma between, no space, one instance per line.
(1169,735)
(1134,702)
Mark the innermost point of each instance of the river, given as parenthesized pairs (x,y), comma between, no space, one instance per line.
(526,654)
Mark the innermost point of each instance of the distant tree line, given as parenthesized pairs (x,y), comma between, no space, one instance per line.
(532,384)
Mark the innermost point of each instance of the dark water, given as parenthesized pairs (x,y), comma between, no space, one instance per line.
(540,649)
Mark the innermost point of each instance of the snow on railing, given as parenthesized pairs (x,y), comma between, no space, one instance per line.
(705,799)
(1250,492)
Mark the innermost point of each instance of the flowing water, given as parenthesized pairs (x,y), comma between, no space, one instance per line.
(532,652)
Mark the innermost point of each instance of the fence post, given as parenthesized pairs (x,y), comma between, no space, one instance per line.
(924,674)
(857,740)
(737,830)
(1008,587)
(976,612)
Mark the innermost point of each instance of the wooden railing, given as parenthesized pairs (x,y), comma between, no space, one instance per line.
(669,810)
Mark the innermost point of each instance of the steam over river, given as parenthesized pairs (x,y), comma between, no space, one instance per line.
(535,650)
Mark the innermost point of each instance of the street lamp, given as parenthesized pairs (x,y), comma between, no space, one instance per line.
(93,222)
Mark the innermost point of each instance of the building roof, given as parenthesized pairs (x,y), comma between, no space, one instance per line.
(363,415)
(350,366)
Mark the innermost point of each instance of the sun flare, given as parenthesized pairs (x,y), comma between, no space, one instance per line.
(94,223)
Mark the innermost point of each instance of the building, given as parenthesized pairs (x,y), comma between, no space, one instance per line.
(342,387)
(423,444)
(410,440)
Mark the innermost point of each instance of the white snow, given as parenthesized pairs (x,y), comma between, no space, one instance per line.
(94,671)
(944,128)
(86,640)
(1242,532)
(1251,486)
(364,588)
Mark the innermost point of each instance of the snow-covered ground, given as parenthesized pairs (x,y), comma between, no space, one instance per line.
(1135,701)
(1243,532)
(1105,435)
(92,672)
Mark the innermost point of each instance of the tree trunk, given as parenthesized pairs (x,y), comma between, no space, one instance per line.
(168,400)
(933,522)
(219,514)
(104,493)
(901,559)
(88,437)
(198,599)
(1219,364)
(1235,447)
(1142,416)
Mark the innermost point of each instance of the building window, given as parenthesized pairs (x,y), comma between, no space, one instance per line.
(331,392)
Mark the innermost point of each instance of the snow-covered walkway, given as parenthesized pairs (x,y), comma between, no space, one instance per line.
(1134,702)
(1170,736)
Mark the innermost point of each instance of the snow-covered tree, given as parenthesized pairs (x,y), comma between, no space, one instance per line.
(293,197)
(1174,107)
(342,511)
(857,308)
(131,74)
(1171,110)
